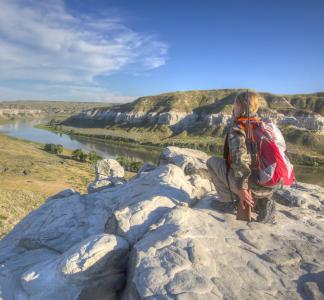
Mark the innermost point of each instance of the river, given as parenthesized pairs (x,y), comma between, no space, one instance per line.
(24,129)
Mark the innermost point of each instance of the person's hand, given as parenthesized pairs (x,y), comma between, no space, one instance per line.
(245,198)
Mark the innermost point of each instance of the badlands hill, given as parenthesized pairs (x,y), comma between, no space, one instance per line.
(216,100)
(163,235)
(206,114)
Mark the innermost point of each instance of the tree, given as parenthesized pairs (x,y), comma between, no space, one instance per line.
(83,156)
(52,148)
(129,164)
(59,149)
(76,154)
(92,156)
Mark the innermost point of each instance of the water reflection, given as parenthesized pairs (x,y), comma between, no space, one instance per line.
(26,130)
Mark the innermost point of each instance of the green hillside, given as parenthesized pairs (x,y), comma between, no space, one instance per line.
(220,100)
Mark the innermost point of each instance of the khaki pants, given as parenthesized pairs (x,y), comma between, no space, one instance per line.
(217,170)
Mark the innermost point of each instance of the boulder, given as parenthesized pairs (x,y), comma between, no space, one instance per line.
(97,263)
(203,253)
(13,264)
(107,168)
(146,168)
(189,160)
(163,188)
(101,184)
(301,194)
(98,185)
(193,163)
(129,210)
(109,173)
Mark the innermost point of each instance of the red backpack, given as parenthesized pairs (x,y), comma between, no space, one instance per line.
(267,146)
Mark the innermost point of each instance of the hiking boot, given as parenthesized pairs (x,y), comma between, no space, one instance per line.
(265,209)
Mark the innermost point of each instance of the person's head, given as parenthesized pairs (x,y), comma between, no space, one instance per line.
(240,104)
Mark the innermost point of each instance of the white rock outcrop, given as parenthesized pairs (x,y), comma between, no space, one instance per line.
(193,164)
(94,266)
(63,194)
(182,120)
(203,253)
(106,168)
(154,237)
(8,113)
(108,173)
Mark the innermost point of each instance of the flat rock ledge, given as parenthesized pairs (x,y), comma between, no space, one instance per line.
(164,235)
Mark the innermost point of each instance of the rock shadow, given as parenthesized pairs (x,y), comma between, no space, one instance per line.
(310,285)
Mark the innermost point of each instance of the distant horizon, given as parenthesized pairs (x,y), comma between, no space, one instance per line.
(152,95)
(122,50)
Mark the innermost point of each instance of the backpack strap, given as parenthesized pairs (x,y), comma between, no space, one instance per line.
(251,144)
(226,152)
(227,157)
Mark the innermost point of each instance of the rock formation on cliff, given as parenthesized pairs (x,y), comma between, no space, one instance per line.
(163,235)
(183,110)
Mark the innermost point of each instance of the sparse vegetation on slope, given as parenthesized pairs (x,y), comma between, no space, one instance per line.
(217,100)
(28,175)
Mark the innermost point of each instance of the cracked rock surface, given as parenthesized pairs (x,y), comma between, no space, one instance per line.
(163,235)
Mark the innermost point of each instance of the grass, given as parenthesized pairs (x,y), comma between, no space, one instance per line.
(28,175)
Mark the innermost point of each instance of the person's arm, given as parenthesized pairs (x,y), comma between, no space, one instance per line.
(240,164)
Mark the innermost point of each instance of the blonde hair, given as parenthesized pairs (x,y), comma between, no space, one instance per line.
(241,99)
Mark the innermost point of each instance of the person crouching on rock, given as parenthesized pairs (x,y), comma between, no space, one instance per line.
(231,175)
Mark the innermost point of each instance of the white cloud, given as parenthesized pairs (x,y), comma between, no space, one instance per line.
(41,40)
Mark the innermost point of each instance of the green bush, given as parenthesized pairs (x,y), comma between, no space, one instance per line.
(79,155)
(76,154)
(59,149)
(129,164)
(83,156)
(92,156)
(52,148)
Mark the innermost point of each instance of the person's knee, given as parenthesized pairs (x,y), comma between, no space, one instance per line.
(208,163)
(215,163)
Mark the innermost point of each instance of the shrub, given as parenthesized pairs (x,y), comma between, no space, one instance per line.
(83,156)
(76,154)
(129,164)
(52,148)
(59,149)
(79,155)
(92,156)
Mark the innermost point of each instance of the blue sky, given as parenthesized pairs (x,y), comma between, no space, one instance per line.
(104,50)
